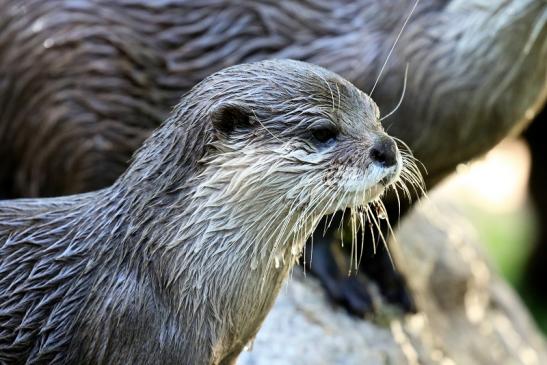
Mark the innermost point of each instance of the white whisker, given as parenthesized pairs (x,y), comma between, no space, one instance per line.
(400,99)
(393,47)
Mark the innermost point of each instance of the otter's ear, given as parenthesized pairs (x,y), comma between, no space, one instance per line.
(228,117)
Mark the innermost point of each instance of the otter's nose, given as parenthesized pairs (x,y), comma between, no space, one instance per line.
(384,152)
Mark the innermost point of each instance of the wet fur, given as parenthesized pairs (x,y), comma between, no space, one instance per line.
(179,261)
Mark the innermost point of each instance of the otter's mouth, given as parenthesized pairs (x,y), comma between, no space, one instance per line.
(374,178)
(390,178)
(357,186)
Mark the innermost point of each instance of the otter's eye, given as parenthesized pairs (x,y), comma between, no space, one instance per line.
(324,135)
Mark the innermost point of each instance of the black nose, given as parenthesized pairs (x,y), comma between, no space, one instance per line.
(384,152)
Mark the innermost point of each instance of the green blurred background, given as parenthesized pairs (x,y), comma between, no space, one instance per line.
(493,193)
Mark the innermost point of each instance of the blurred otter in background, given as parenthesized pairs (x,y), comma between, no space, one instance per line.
(82,83)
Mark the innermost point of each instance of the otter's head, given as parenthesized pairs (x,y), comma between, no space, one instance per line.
(262,151)
(292,138)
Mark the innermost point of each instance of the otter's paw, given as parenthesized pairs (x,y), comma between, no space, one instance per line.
(353,292)
(392,285)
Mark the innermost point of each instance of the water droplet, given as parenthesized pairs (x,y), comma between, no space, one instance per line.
(277,263)
(254,264)
(249,346)
(530,114)
(48,43)
(381,213)
(37,26)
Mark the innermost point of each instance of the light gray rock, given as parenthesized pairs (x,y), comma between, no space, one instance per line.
(467,314)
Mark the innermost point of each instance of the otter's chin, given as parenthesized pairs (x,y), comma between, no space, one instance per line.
(373,183)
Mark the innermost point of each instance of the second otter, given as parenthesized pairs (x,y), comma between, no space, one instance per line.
(180,260)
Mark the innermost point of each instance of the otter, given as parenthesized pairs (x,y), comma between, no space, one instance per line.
(181,258)
(82,83)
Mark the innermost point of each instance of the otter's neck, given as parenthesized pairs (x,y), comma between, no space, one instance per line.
(221,248)
(227,259)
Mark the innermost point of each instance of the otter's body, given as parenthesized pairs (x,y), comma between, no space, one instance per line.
(74,289)
(82,83)
(179,260)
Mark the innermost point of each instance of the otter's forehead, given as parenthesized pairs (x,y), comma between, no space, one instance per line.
(345,105)
(348,103)
(326,90)
(281,86)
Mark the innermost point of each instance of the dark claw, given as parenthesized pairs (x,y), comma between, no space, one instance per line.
(356,298)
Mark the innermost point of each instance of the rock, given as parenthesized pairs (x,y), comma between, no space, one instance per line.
(467,313)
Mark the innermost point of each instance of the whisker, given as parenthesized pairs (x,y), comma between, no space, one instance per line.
(393,47)
(263,126)
(382,237)
(400,99)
